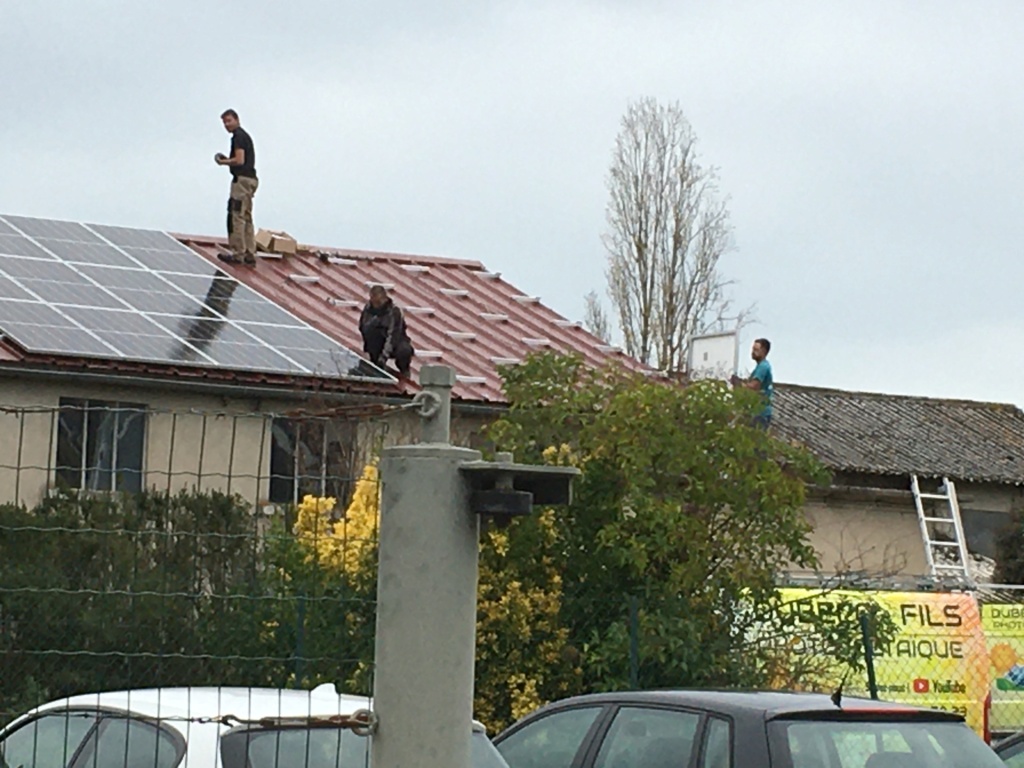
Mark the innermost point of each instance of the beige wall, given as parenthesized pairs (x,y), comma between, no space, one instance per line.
(192,440)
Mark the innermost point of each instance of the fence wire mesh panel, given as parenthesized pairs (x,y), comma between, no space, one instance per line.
(144,551)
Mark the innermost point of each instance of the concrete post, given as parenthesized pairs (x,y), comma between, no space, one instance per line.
(426,596)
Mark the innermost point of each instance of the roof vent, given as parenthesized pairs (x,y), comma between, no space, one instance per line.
(429,354)
(455,292)
(568,323)
(527,299)
(304,278)
(462,335)
(471,379)
(506,360)
(499,317)
(341,261)
(385,286)
(490,275)
(611,348)
(419,310)
(416,268)
(536,342)
(342,302)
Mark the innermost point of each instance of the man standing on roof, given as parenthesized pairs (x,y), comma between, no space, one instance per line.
(760,381)
(384,333)
(242,164)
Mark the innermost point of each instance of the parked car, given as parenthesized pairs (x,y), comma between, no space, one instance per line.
(191,727)
(721,729)
(1011,750)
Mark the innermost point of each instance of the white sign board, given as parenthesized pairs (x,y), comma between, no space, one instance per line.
(714,356)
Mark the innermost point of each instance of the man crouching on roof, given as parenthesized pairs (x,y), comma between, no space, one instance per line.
(384,334)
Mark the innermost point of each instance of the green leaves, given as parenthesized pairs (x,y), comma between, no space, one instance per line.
(682,503)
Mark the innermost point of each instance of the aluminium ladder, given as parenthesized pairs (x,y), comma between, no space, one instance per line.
(940,553)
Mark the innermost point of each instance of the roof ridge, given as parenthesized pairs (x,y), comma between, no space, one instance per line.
(892,396)
(309,250)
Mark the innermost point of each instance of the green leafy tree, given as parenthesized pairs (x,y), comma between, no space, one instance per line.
(683,508)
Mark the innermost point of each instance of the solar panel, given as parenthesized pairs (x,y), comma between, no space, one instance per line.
(102,291)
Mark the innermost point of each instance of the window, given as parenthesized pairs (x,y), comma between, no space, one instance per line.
(1013,755)
(717,745)
(649,738)
(551,741)
(865,744)
(128,743)
(100,445)
(312,456)
(49,741)
(320,748)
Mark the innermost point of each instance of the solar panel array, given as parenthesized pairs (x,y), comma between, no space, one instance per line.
(114,292)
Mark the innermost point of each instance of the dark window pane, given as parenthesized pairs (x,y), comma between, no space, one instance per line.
(653,738)
(127,743)
(100,445)
(550,742)
(47,742)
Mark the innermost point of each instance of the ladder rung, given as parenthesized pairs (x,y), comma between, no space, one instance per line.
(939,520)
(938,496)
(950,568)
(932,543)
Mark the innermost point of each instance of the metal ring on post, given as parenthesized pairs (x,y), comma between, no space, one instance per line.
(428,404)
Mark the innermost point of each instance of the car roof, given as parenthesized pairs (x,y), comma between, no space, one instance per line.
(210,702)
(216,702)
(771,703)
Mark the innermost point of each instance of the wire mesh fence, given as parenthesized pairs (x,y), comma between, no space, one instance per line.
(145,549)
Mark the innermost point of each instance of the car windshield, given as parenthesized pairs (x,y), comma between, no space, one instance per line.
(893,744)
(318,747)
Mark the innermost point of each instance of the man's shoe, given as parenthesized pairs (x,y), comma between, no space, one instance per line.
(250,259)
(229,258)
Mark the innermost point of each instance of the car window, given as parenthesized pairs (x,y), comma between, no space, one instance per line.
(894,744)
(551,741)
(1013,755)
(125,742)
(717,744)
(49,741)
(649,738)
(321,748)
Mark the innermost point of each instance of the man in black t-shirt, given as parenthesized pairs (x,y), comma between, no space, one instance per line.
(242,164)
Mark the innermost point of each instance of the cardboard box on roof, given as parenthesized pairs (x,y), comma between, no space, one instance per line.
(275,241)
(263,239)
(284,243)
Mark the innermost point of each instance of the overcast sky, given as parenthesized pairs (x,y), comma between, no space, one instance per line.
(872,151)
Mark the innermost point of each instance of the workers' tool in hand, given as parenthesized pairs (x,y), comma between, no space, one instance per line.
(220,157)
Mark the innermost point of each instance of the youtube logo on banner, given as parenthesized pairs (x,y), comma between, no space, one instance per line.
(922,686)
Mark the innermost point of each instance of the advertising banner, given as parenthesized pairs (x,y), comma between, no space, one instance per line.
(1004,632)
(939,658)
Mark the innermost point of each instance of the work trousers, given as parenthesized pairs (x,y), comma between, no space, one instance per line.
(241,238)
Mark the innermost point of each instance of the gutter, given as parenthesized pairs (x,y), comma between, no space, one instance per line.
(240,391)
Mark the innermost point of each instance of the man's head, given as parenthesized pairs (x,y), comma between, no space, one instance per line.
(760,349)
(230,119)
(378,296)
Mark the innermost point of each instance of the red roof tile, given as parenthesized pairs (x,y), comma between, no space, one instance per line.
(458,313)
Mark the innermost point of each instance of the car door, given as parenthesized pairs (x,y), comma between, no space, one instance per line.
(649,737)
(556,739)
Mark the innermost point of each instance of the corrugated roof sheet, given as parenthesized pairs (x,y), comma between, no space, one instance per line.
(901,435)
(458,313)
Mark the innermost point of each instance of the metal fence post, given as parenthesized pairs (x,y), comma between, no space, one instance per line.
(869,653)
(634,642)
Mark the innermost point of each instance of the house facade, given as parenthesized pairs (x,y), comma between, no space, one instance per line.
(865,521)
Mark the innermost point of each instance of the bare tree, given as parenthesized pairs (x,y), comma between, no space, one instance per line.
(595,318)
(667,230)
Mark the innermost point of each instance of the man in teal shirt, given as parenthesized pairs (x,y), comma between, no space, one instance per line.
(760,381)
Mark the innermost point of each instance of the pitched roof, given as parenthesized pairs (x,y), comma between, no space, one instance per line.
(458,313)
(902,435)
